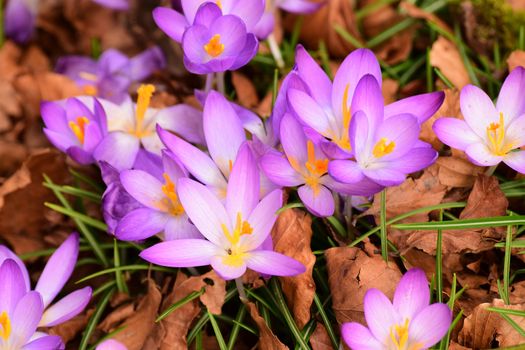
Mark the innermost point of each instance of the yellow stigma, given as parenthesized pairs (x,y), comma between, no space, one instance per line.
(399,337)
(214,47)
(344,141)
(241,228)
(219,3)
(90,90)
(5,326)
(172,202)
(316,167)
(145,92)
(382,148)
(496,137)
(78,126)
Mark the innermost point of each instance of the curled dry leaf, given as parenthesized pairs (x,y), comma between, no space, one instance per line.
(70,329)
(292,235)
(516,59)
(482,328)
(351,272)
(267,340)
(457,172)
(320,339)
(445,56)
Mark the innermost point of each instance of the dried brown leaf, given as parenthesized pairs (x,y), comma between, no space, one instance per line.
(291,235)
(417,12)
(267,340)
(246,93)
(70,329)
(445,56)
(457,172)
(320,339)
(516,59)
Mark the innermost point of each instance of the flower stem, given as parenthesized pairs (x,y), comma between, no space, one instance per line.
(382,218)
(2,23)
(276,51)
(220,83)
(209,81)
(240,288)
(491,170)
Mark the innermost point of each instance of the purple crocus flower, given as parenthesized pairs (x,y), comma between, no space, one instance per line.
(489,134)
(234,231)
(73,128)
(214,42)
(162,210)
(55,275)
(306,166)
(111,344)
(121,5)
(326,107)
(407,323)
(20,313)
(19,19)
(385,149)
(111,76)
(132,126)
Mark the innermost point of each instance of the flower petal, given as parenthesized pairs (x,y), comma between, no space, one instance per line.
(180,227)
(170,22)
(412,294)
(368,98)
(47,342)
(379,314)
(140,224)
(6,253)
(250,11)
(510,100)
(58,269)
(385,176)
(181,253)
(144,187)
(111,344)
(430,325)
(273,263)
(227,271)
(66,308)
(478,109)
(13,285)
(346,171)
(479,154)
(183,120)
(455,133)
(277,168)
(358,337)
(415,160)
(515,132)
(319,200)
(293,140)
(25,318)
(403,130)
(119,149)
(315,78)
(309,112)
(516,160)
(422,106)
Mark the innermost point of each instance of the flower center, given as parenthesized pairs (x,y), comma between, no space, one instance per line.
(172,202)
(78,126)
(315,168)
(496,137)
(241,228)
(383,147)
(399,338)
(5,326)
(344,141)
(214,47)
(145,92)
(219,3)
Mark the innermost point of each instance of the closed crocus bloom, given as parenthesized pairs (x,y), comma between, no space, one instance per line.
(19,19)
(490,134)
(113,73)
(20,313)
(133,126)
(234,231)
(408,323)
(74,128)
(385,149)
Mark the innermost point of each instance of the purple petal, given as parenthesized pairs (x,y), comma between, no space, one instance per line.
(516,160)
(47,342)
(510,101)
(113,61)
(403,130)
(20,18)
(225,270)
(223,131)
(384,175)
(204,209)
(58,269)
(478,109)
(143,187)
(66,308)
(346,171)
(26,317)
(111,344)
(262,220)
(294,141)
(430,325)
(415,160)
(309,112)
(412,294)
(515,132)
(121,5)
(233,34)
(281,106)
(54,117)
(422,106)
(145,63)
(265,26)
(358,337)
(250,11)
(274,264)
(368,98)
(140,224)
(360,135)
(61,141)
(119,149)
(251,45)
(13,285)
(179,227)
(207,14)
(276,166)
(183,120)
(181,253)
(366,187)
(455,133)
(318,200)
(6,253)
(479,154)
(379,314)
(190,8)
(299,6)
(171,22)
(80,156)
(315,78)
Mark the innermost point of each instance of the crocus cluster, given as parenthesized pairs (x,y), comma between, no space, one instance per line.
(409,322)
(23,310)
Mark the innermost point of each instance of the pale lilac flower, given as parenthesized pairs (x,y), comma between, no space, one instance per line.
(235,231)
(20,19)
(490,134)
(20,313)
(385,149)
(121,5)
(73,128)
(133,126)
(407,323)
(113,73)
(111,344)
(55,275)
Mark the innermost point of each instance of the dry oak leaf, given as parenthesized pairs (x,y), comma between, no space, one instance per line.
(445,56)
(70,329)
(292,234)
(516,59)
(246,93)
(483,327)
(320,339)
(351,272)
(24,190)
(458,172)
(267,340)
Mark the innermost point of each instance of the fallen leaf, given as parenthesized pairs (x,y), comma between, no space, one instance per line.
(292,234)
(445,56)
(320,339)
(70,329)
(245,90)
(389,89)
(457,172)
(267,340)
(516,59)
(417,12)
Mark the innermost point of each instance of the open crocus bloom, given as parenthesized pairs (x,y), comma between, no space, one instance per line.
(111,76)
(162,211)
(305,165)
(20,313)
(19,19)
(409,323)
(489,134)
(326,107)
(131,126)
(385,149)
(234,232)
(73,128)
(55,275)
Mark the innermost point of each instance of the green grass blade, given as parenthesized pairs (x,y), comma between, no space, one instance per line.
(217,331)
(326,321)
(95,318)
(383,228)
(495,221)
(439,261)
(119,277)
(75,215)
(126,268)
(179,303)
